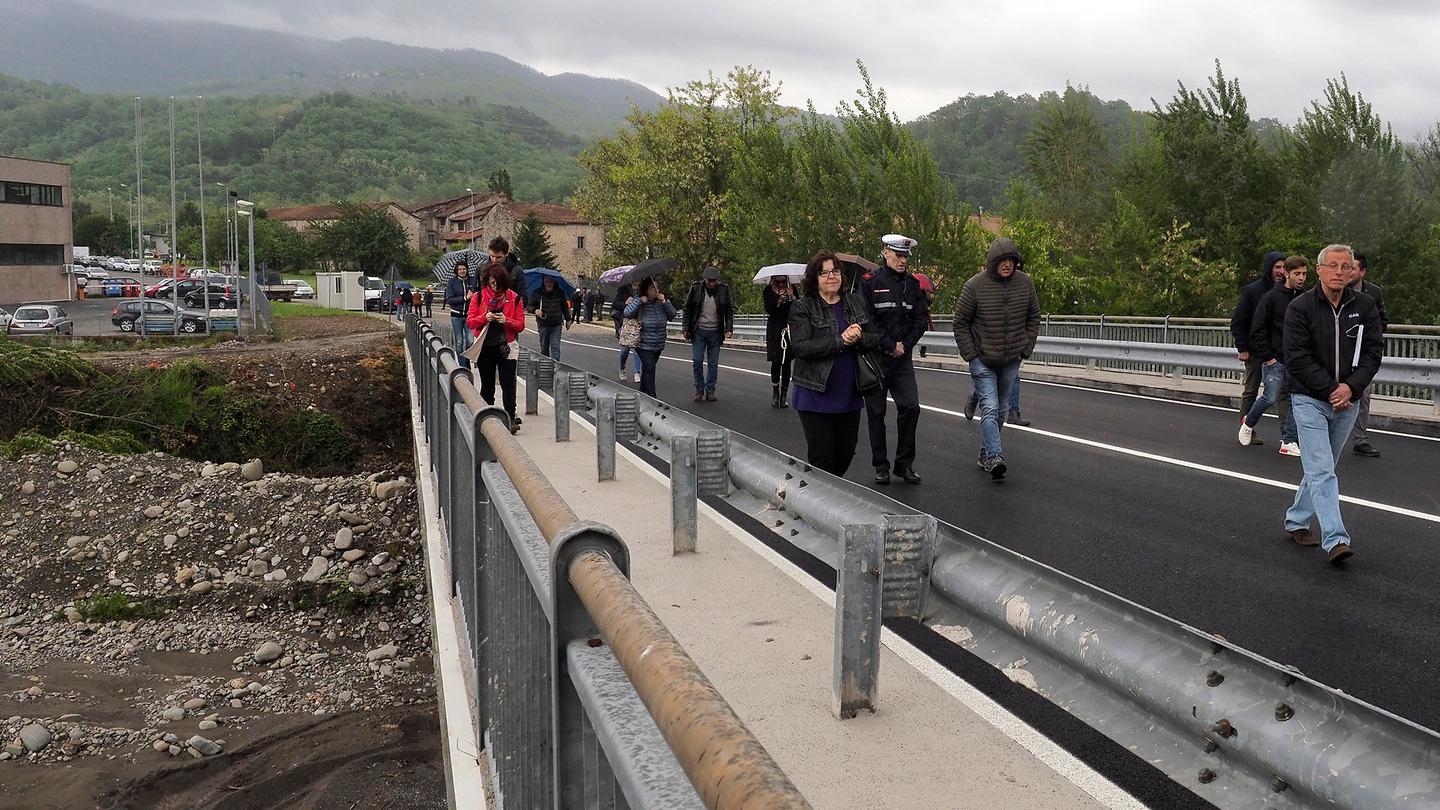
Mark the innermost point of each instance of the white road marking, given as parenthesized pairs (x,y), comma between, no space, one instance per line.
(1178,462)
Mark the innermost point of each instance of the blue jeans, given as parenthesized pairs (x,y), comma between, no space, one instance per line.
(705,347)
(460,338)
(1273,385)
(550,339)
(993,385)
(1014,394)
(1323,432)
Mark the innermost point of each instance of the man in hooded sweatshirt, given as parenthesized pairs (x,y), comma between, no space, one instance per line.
(997,321)
(1272,272)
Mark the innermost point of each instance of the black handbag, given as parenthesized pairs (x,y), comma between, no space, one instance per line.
(869,377)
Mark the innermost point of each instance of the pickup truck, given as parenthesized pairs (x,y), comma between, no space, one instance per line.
(278,292)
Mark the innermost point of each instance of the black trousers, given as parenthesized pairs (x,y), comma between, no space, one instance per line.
(780,373)
(648,361)
(1250,390)
(899,384)
(488,364)
(830,439)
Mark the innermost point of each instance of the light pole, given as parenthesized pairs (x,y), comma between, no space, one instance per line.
(200,161)
(470,223)
(139,203)
(129,210)
(110,201)
(245,208)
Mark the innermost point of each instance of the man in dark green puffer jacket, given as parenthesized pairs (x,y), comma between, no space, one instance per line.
(997,320)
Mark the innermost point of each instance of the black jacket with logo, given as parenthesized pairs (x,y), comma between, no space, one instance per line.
(1327,345)
(900,309)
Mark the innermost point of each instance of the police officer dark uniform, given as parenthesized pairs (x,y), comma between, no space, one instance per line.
(901,314)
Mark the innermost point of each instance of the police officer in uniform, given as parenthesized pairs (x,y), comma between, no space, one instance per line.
(901,314)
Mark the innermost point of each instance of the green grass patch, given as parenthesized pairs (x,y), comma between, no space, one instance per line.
(292,309)
(120,607)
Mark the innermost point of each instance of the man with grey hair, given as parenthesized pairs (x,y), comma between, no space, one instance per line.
(1333,347)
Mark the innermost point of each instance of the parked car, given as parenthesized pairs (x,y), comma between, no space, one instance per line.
(4,319)
(220,296)
(302,290)
(134,266)
(152,266)
(40,319)
(156,316)
(121,287)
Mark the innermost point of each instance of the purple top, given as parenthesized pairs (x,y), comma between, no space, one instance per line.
(840,395)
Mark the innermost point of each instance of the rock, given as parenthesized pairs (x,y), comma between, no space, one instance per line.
(195,704)
(77,541)
(318,567)
(267,652)
(202,587)
(343,539)
(351,518)
(173,713)
(353,554)
(67,467)
(73,616)
(358,578)
(382,652)
(204,746)
(155,511)
(252,470)
(206,725)
(346,696)
(35,736)
(209,470)
(160,746)
(27,488)
(257,568)
(278,575)
(380,558)
(389,489)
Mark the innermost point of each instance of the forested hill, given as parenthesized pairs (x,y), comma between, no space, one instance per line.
(291,150)
(103,52)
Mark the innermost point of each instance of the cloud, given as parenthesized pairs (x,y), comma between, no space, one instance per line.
(924,54)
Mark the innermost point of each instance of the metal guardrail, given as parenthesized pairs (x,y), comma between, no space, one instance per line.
(584,698)
(1238,729)
(1201,351)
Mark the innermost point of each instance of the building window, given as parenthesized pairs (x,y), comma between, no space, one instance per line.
(580,242)
(29,194)
(11,255)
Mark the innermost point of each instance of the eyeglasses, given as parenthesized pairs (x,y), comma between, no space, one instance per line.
(1333,266)
(831,272)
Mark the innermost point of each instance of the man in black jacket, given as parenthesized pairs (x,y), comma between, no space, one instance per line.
(1362,445)
(499,249)
(1333,346)
(901,314)
(1267,331)
(1272,272)
(457,297)
(709,321)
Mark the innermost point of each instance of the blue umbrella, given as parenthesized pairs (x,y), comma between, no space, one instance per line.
(535,275)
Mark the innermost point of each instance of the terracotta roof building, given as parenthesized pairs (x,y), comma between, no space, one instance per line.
(303,217)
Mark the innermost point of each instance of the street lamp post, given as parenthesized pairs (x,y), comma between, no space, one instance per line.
(470,223)
(110,201)
(129,212)
(245,208)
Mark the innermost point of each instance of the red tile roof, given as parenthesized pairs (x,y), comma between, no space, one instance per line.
(549,213)
(314,213)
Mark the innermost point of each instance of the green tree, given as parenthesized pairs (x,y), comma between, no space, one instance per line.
(1068,157)
(499,182)
(532,244)
(361,238)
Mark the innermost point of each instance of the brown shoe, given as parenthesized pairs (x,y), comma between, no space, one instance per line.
(710,397)
(699,395)
(1340,552)
(1303,537)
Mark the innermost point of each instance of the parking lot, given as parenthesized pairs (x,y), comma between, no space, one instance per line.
(91,316)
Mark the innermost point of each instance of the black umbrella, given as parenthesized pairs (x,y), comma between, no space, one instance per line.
(474,259)
(648,269)
(853,267)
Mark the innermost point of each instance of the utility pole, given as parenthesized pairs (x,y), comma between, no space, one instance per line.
(110,201)
(174,248)
(204,255)
(139,210)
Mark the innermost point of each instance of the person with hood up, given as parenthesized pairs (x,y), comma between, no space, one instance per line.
(997,321)
(1267,333)
(901,314)
(551,308)
(1272,272)
(457,298)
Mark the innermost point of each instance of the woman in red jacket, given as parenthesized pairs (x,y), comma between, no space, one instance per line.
(498,305)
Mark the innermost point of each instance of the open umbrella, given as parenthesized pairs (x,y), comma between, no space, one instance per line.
(647,269)
(854,267)
(473,259)
(926,285)
(614,274)
(535,276)
(791,270)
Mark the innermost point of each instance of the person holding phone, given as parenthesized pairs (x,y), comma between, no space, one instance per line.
(654,311)
(499,313)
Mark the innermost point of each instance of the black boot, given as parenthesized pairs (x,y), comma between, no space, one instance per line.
(775,398)
(784,397)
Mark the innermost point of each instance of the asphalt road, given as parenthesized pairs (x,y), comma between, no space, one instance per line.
(1156,501)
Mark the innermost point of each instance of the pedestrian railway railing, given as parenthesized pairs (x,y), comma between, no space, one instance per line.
(1238,729)
(582,697)
(1196,348)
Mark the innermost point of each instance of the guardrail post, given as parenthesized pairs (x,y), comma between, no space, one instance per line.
(627,415)
(605,437)
(909,550)
(712,463)
(458,491)
(857,620)
(532,387)
(561,399)
(573,622)
(684,490)
(547,370)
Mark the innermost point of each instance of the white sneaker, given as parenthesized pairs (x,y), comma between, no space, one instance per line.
(1290,449)
(622,375)
(637,376)
(1246,433)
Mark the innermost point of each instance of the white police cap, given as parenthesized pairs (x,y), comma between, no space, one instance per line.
(900,244)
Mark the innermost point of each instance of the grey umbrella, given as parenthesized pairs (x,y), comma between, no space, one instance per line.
(473,259)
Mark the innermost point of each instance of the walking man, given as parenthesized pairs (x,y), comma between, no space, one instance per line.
(709,321)
(1333,346)
(1267,332)
(1362,445)
(457,296)
(1272,272)
(552,313)
(997,320)
(900,313)
(428,299)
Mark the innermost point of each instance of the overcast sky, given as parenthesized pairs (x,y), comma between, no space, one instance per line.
(925,54)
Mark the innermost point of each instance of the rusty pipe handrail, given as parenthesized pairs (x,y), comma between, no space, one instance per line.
(728,766)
